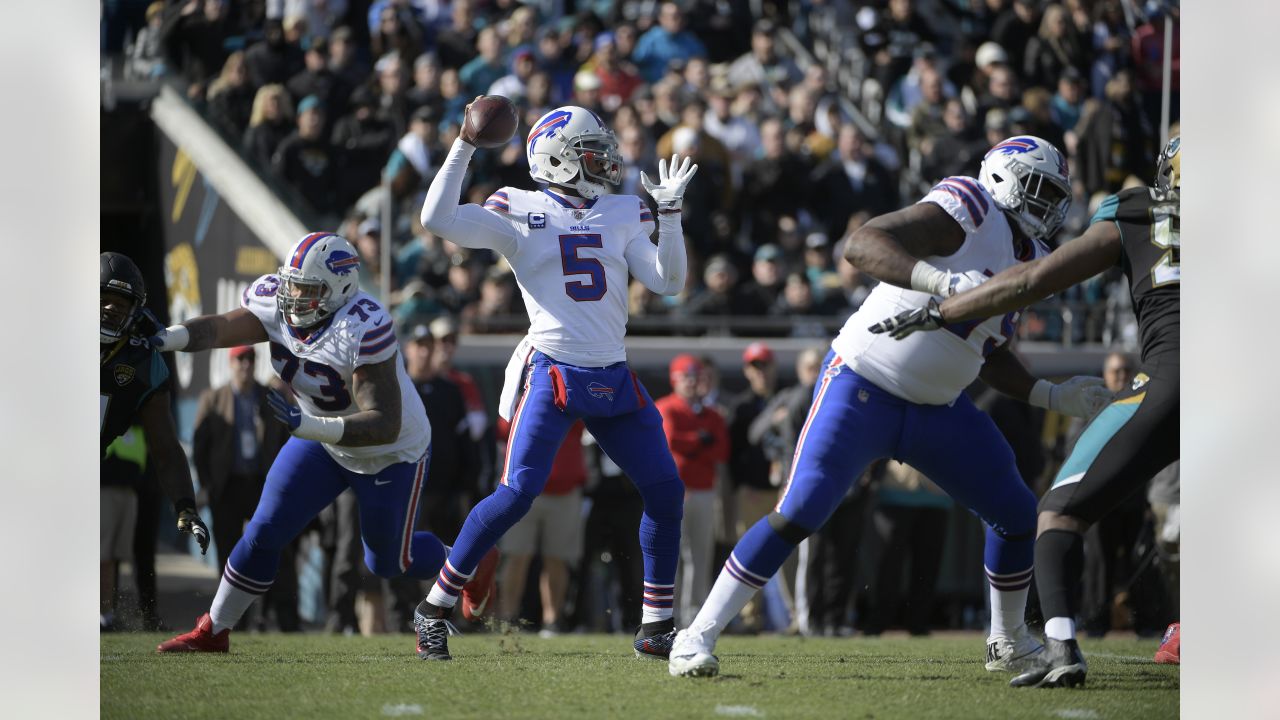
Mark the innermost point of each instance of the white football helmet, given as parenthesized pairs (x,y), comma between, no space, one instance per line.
(320,274)
(571,146)
(1027,177)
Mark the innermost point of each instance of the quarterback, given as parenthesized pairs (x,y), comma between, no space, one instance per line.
(572,247)
(879,398)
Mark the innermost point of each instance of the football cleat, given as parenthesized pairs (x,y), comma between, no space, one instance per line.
(201,639)
(433,636)
(691,657)
(480,591)
(1170,650)
(1012,654)
(1060,665)
(654,639)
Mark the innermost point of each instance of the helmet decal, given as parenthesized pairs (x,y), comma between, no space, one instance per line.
(300,252)
(549,125)
(1015,146)
(341,262)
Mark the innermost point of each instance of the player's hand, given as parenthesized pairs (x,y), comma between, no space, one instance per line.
(167,339)
(903,324)
(959,282)
(463,134)
(672,180)
(285,411)
(1081,396)
(189,522)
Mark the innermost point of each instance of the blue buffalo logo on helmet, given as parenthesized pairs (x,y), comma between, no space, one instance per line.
(597,390)
(1015,146)
(341,262)
(553,122)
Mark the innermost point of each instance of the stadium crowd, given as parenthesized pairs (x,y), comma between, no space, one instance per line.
(806,119)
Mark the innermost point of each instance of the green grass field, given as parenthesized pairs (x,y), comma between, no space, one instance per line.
(596,676)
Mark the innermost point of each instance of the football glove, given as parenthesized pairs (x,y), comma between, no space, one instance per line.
(904,323)
(285,411)
(189,522)
(1081,396)
(672,180)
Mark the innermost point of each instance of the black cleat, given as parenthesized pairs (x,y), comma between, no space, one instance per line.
(654,640)
(433,635)
(1060,665)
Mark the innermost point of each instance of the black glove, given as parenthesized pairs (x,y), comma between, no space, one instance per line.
(706,438)
(189,522)
(905,323)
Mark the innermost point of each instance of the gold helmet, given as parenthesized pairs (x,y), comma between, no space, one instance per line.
(1169,166)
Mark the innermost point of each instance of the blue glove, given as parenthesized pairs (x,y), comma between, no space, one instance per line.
(285,411)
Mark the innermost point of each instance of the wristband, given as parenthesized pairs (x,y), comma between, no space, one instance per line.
(1041,394)
(929,279)
(176,337)
(321,429)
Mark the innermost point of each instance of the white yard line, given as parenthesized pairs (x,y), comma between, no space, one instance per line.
(401,710)
(739,711)
(1076,714)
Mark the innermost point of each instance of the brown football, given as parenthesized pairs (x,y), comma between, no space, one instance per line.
(491,121)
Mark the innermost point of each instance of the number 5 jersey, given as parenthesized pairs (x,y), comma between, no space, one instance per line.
(319,367)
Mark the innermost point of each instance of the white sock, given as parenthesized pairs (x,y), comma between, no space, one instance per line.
(228,606)
(727,598)
(1060,628)
(662,595)
(1008,610)
(440,598)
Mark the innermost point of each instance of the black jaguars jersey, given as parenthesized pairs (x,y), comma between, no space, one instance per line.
(131,372)
(1151,255)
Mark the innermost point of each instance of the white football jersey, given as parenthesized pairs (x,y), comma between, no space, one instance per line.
(570,261)
(319,369)
(933,368)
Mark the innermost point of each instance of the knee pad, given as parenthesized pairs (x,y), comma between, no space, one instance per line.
(787,530)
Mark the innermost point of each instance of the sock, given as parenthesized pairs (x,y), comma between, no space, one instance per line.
(229,605)
(448,587)
(727,598)
(657,603)
(1059,562)
(1008,601)
(1060,628)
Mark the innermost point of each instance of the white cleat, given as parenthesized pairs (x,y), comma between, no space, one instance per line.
(1013,654)
(691,656)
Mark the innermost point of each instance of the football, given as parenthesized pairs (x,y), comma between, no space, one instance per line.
(491,121)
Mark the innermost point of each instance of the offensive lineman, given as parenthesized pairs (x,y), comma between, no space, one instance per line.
(878,398)
(1136,435)
(361,425)
(572,247)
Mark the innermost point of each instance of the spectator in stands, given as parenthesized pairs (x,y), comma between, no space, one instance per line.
(552,529)
(796,303)
(1111,45)
(910,519)
(273,59)
(119,476)
(445,330)
(1038,104)
(457,43)
(927,118)
(514,84)
(486,68)
(392,103)
(719,296)
(1055,48)
(853,180)
(345,60)
(774,186)
(364,140)
(499,307)
(398,31)
(1068,105)
(306,159)
(957,149)
(699,441)
(765,287)
(1013,29)
(231,98)
(321,16)
(763,66)
(618,78)
(1115,139)
(665,42)
(1148,60)
(270,122)
(905,29)
(426,84)
(317,79)
(195,39)
(740,136)
(235,440)
(909,92)
(1002,90)
(146,54)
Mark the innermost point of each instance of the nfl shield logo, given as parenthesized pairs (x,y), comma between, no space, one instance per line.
(579,214)
(124,374)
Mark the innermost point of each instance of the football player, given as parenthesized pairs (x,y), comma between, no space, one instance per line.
(135,386)
(358,424)
(572,247)
(1136,435)
(905,400)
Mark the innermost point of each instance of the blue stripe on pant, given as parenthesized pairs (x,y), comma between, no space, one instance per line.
(633,440)
(853,422)
(302,481)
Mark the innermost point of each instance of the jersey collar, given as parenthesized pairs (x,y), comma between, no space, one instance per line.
(311,337)
(566,202)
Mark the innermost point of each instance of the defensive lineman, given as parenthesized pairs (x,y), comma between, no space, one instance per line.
(361,425)
(878,398)
(1135,436)
(572,247)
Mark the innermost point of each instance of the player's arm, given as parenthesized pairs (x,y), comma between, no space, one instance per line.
(1020,285)
(377,394)
(237,327)
(467,225)
(663,269)
(171,464)
(890,247)
(1081,396)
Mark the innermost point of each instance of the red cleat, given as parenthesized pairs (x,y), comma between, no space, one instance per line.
(1170,651)
(480,592)
(201,639)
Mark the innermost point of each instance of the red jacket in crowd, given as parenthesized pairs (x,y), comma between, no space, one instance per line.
(698,438)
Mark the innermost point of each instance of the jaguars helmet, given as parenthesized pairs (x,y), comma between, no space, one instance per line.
(571,146)
(1169,166)
(1027,177)
(321,273)
(117,274)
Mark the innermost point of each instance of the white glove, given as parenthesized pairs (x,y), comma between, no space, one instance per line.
(669,192)
(171,338)
(944,283)
(1081,396)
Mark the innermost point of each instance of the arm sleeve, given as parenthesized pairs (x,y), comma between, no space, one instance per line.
(661,269)
(470,226)
(963,199)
